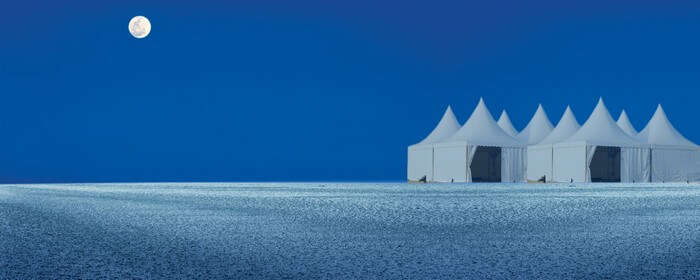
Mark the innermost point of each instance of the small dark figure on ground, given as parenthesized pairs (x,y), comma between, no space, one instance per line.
(542,179)
(423,179)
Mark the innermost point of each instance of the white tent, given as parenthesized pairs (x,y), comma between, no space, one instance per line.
(537,129)
(624,122)
(420,155)
(540,156)
(601,152)
(506,125)
(673,157)
(480,151)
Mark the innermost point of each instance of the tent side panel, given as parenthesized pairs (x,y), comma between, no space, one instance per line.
(420,163)
(569,163)
(451,164)
(673,165)
(694,169)
(513,163)
(634,165)
(539,163)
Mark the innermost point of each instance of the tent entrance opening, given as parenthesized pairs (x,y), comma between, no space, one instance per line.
(605,165)
(486,164)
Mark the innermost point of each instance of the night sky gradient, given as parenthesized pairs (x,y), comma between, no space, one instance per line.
(315,90)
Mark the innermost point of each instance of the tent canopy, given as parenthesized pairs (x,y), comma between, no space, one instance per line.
(447,127)
(601,130)
(567,126)
(481,129)
(506,125)
(660,131)
(624,122)
(537,129)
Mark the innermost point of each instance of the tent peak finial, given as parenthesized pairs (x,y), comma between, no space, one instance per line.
(660,111)
(568,110)
(623,115)
(449,111)
(601,104)
(540,110)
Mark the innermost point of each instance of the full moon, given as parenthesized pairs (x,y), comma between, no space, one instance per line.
(139,27)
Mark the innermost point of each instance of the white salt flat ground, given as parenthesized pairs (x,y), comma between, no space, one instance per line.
(378,231)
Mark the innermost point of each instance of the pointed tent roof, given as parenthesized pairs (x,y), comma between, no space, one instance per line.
(447,126)
(601,129)
(567,126)
(660,131)
(537,129)
(624,122)
(506,125)
(481,129)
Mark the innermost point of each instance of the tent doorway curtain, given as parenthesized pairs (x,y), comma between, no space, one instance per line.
(486,164)
(605,165)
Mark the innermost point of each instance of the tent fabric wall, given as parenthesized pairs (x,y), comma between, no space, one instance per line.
(540,157)
(471,151)
(694,169)
(513,164)
(590,151)
(577,151)
(672,164)
(539,162)
(420,163)
(674,158)
(420,158)
(479,130)
(569,163)
(451,163)
(635,165)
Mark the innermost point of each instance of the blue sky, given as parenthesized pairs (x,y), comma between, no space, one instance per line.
(315,90)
